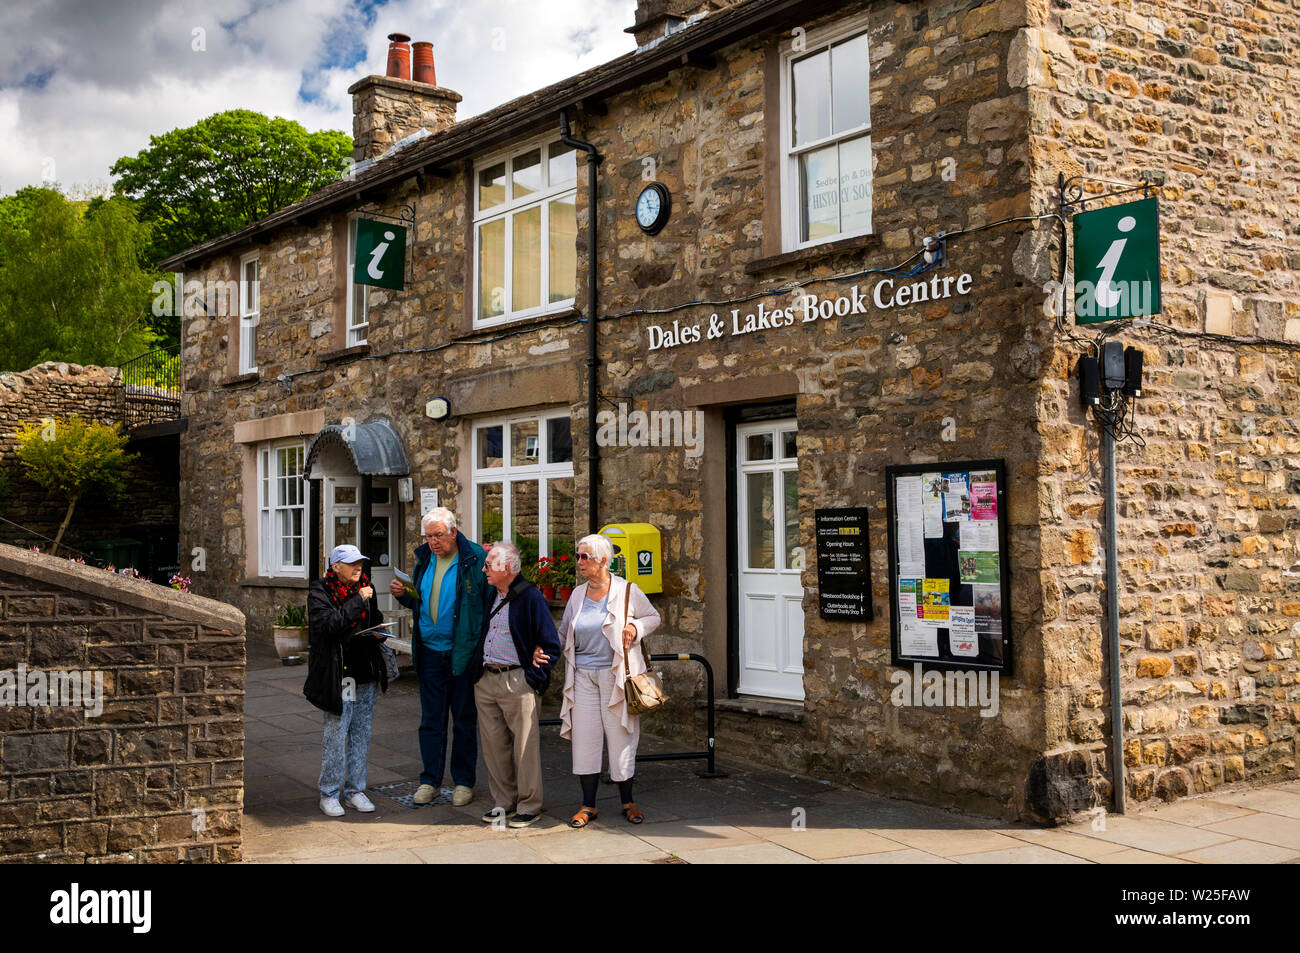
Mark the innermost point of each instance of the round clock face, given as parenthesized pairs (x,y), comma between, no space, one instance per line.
(652,207)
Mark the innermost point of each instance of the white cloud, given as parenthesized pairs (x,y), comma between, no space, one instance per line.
(84,82)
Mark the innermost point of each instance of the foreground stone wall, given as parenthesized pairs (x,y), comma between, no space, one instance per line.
(156,775)
(1196,96)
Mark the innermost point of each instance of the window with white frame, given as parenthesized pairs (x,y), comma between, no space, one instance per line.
(250,312)
(826,136)
(522,482)
(358,306)
(281,509)
(525,233)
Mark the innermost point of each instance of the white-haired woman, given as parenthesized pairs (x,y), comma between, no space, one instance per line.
(605,618)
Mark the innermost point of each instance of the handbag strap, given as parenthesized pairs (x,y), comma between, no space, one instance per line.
(627,601)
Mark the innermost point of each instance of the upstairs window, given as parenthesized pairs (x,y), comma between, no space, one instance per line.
(358,306)
(525,233)
(826,137)
(250,313)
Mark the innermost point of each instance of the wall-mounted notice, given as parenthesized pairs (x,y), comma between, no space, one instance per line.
(949,587)
(843,564)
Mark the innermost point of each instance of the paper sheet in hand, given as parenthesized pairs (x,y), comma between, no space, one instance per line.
(406,581)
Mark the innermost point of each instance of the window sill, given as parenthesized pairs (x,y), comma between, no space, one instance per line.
(249,378)
(342,354)
(813,254)
(511,326)
(276,582)
(758,707)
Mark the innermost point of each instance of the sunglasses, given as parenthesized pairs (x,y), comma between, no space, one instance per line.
(583,557)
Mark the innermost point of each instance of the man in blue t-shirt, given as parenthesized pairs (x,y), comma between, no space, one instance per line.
(447,608)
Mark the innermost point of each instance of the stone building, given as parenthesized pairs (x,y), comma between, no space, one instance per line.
(954,119)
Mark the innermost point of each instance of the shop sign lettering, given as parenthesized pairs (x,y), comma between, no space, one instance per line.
(807,309)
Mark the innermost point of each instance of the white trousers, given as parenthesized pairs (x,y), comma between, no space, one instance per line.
(593,723)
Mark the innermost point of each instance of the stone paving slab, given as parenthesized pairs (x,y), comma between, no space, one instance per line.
(757,815)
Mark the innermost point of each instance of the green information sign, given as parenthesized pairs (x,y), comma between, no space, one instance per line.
(1117,262)
(381,255)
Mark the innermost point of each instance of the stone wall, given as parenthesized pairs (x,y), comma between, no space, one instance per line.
(156,774)
(149,508)
(1195,95)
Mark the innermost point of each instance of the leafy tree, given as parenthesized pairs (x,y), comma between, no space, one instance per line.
(225,172)
(72,286)
(73,459)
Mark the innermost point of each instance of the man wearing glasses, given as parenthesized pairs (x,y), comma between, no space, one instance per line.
(449,611)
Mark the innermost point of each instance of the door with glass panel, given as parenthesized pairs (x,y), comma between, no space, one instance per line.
(343,528)
(770,560)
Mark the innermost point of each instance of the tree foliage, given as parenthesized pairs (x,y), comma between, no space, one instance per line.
(67,458)
(72,284)
(226,172)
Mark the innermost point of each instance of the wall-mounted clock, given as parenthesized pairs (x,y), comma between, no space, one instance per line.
(652,208)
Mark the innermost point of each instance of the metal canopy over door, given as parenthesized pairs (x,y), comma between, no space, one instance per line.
(769,561)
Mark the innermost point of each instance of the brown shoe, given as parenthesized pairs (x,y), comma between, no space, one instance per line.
(584,817)
(633,813)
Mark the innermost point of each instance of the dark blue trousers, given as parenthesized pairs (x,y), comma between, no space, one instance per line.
(443,695)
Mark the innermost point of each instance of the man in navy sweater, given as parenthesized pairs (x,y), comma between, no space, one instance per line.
(510,672)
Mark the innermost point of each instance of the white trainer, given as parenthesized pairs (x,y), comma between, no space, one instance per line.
(360,802)
(461,796)
(425,794)
(331,806)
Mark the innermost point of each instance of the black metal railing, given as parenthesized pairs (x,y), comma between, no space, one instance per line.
(152,383)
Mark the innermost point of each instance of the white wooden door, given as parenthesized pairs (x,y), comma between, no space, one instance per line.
(771,560)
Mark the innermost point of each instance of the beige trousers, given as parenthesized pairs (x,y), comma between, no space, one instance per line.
(510,740)
(593,722)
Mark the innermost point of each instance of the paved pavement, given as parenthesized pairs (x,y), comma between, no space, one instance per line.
(749,817)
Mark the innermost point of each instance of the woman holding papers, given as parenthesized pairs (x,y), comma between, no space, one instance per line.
(344,672)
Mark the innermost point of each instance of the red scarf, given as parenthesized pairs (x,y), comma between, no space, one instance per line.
(339,590)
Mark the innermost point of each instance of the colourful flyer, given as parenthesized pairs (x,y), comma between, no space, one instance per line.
(935,599)
(983,501)
(977,566)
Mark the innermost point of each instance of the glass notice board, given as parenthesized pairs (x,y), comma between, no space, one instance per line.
(948,575)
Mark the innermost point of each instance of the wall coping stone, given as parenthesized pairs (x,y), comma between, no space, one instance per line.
(137,593)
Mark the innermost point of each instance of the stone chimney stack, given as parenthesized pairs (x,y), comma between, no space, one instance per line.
(656,19)
(388,108)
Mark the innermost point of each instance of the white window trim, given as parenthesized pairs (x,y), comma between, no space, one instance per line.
(269,538)
(356,332)
(249,320)
(506,474)
(789,155)
(541,198)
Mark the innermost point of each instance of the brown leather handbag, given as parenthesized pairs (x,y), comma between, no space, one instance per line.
(645,692)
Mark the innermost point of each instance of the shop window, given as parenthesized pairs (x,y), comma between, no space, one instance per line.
(358,306)
(281,509)
(525,233)
(826,137)
(523,484)
(250,312)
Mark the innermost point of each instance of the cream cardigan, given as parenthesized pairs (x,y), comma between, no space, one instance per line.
(642,616)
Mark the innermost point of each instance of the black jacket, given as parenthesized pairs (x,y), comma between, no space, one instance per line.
(531,625)
(334,652)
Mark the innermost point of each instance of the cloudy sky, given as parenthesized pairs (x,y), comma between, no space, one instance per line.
(83,82)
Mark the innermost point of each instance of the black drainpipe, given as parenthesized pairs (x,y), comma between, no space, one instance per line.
(593,453)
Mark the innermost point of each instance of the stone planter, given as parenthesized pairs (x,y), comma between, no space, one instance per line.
(291,644)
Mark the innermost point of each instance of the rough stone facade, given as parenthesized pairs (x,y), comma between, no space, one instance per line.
(156,776)
(976,108)
(149,508)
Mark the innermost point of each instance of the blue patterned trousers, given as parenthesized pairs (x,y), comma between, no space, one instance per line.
(345,746)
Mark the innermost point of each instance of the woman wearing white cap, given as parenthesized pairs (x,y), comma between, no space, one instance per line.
(345,669)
